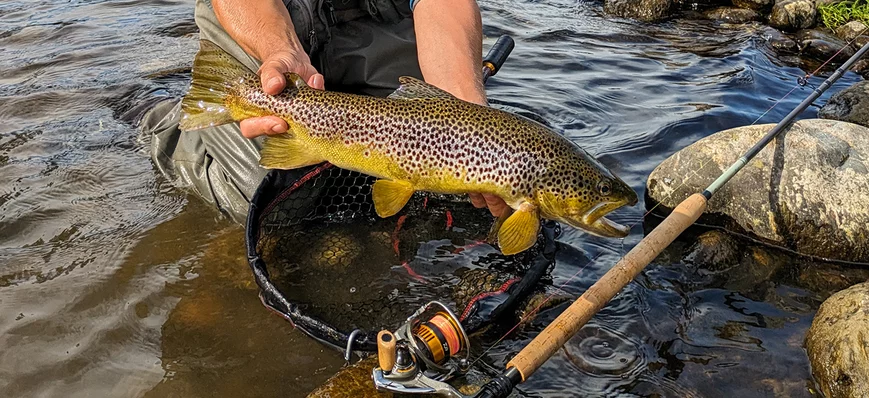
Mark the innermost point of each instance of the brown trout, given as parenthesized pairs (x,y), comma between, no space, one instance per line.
(420,138)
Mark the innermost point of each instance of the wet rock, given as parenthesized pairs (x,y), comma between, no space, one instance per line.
(644,10)
(838,344)
(861,67)
(850,30)
(352,381)
(849,105)
(754,273)
(732,15)
(779,41)
(793,14)
(823,50)
(714,250)
(695,5)
(805,191)
(822,46)
(753,4)
(827,278)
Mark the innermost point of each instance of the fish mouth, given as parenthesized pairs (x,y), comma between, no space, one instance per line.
(595,223)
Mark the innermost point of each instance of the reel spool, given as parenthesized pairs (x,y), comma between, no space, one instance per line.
(430,348)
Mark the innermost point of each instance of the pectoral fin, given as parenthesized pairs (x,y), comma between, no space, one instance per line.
(285,152)
(519,231)
(390,196)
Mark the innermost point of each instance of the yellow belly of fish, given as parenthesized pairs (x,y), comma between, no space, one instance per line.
(396,185)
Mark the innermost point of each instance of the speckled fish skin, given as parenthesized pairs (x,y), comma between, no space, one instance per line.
(439,143)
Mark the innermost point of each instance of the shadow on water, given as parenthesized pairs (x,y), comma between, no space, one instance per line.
(113,283)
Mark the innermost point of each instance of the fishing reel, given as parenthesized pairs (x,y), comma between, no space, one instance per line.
(429,349)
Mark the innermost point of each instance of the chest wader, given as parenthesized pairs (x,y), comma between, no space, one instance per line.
(360,46)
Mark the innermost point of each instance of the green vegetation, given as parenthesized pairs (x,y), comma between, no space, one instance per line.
(837,14)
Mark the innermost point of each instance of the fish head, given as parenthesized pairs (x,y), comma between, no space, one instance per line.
(580,192)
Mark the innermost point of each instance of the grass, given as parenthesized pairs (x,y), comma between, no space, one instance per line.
(837,14)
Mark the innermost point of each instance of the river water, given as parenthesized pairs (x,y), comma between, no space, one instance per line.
(113,283)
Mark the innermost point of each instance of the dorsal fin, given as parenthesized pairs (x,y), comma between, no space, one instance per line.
(412,88)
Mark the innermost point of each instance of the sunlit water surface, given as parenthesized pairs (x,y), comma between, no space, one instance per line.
(113,283)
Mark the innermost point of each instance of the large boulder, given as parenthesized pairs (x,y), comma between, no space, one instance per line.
(643,10)
(849,105)
(838,344)
(793,14)
(807,191)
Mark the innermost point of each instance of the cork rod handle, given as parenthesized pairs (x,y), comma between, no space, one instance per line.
(595,298)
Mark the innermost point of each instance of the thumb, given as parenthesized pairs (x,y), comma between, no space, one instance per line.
(272,77)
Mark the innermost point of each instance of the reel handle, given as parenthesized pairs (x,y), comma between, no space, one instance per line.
(386,350)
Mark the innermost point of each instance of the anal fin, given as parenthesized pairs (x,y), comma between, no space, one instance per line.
(492,238)
(285,152)
(390,196)
(519,231)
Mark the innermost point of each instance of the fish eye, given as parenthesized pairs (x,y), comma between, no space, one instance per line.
(604,187)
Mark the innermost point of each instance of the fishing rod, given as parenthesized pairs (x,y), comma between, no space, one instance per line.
(554,336)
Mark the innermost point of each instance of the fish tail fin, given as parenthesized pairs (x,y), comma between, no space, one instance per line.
(282,151)
(212,92)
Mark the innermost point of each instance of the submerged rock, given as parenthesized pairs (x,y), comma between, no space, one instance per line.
(849,105)
(838,344)
(851,30)
(793,14)
(806,191)
(714,250)
(825,279)
(644,10)
(351,381)
(732,15)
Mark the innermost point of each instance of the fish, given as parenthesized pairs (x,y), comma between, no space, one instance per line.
(419,138)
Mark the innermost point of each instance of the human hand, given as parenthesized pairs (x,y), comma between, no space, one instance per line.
(272,78)
(496,205)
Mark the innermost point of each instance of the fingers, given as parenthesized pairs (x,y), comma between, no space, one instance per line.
(477,200)
(317,81)
(272,76)
(255,127)
(497,206)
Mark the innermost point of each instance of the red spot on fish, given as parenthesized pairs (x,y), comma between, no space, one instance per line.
(449,220)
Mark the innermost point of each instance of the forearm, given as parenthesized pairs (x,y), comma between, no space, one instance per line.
(261,28)
(449,46)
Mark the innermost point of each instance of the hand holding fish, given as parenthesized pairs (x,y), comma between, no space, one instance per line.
(272,77)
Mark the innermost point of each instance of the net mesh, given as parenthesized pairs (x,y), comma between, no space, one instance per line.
(325,261)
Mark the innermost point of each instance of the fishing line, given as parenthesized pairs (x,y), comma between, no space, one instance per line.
(801,82)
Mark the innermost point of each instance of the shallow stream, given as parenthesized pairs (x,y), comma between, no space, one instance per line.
(113,283)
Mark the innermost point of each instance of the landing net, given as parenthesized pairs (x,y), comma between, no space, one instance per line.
(327,263)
